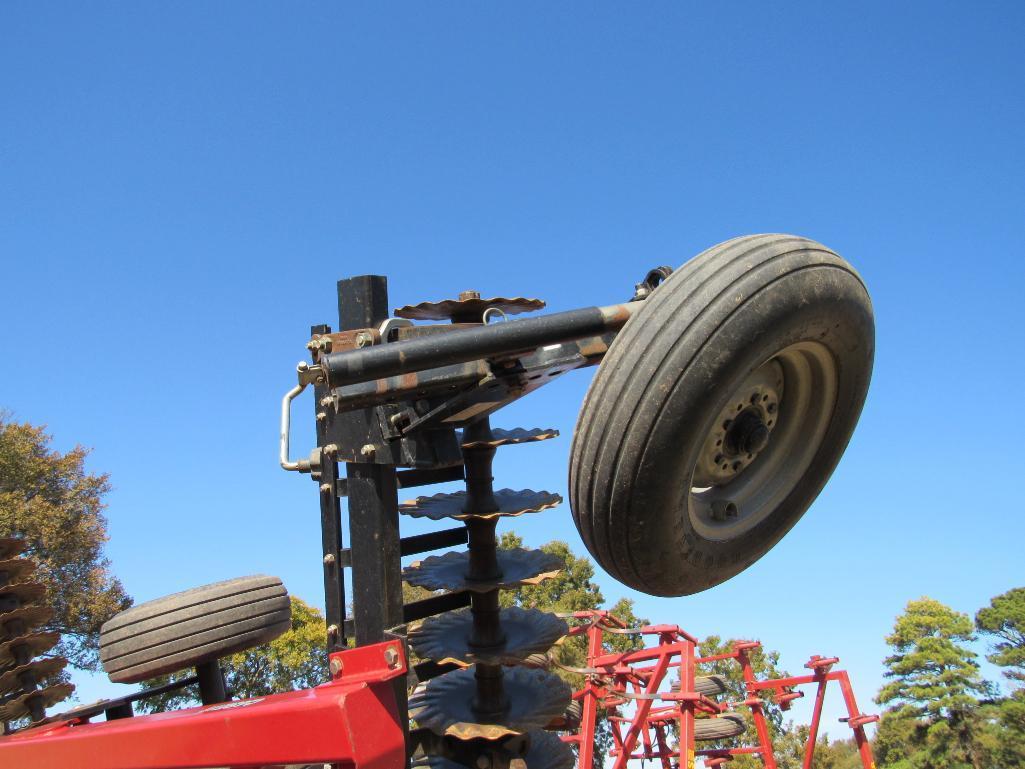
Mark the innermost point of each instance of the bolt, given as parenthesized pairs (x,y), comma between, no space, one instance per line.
(329,559)
(364,338)
(483,762)
(465,296)
(313,344)
(336,666)
(391,657)
(517,763)
(321,416)
(330,450)
(332,631)
(327,401)
(325,488)
(368,450)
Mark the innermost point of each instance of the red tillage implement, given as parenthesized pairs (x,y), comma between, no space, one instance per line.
(725,394)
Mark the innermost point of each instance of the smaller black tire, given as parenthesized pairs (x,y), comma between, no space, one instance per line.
(710,686)
(719,728)
(186,629)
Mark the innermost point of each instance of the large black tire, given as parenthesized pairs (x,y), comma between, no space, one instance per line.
(710,686)
(719,727)
(200,625)
(745,308)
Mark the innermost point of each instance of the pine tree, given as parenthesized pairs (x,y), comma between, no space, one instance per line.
(1004,622)
(935,683)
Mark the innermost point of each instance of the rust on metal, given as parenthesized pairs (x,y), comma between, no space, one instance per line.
(510,504)
(446,637)
(500,437)
(534,698)
(468,306)
(448,571)
(20,707)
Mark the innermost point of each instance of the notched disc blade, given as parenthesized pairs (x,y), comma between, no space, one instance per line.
(449,309)
(546,751)
(16,569)
(42,669)
(448,571)
(19,621)
(12,546)
(445,637)
(19,707)
(510,504)
(23,592)
(35,643)
(501,437)
(445,706)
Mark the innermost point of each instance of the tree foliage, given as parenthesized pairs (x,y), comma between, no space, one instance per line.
(932,672)
(297,659)
(48,499)
(934,720)
(1003,621)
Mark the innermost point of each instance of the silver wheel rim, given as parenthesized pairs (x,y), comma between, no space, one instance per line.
(763,441)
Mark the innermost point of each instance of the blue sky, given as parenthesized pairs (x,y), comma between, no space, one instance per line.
(181,185)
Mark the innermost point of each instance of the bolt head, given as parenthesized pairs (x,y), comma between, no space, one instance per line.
(336,666)
(329,559)
(368,450)
(391,658)
(467,295)
(483,762)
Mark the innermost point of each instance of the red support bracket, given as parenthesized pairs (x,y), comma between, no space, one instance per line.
(859,720)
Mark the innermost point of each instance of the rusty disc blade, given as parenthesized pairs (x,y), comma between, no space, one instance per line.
(445,637)
(510,504)
(12,546)
(546,751)
(16,569)
(19,707)
(34,643)
(448,571)
(41,669)
(20,621)
(501,437)
(22,592)
(534,697)
(474,308)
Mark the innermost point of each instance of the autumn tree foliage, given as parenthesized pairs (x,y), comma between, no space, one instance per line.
(49,499)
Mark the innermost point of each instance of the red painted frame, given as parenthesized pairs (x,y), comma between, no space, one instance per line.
(614,679)
(351,721)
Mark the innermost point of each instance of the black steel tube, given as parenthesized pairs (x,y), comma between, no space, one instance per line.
(464,345)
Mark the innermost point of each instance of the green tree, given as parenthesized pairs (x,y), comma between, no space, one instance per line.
(297,659)
(48,499)
(1004,622)
(934,681)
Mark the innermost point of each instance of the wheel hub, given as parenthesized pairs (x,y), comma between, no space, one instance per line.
(748,434)
(743,428)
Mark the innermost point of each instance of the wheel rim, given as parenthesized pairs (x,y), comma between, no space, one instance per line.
(763,440)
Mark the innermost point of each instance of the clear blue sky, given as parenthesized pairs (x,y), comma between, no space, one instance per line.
(181,185)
